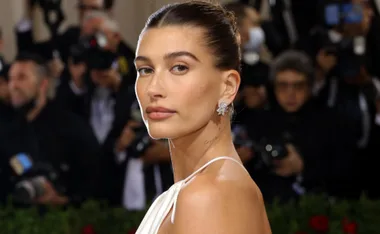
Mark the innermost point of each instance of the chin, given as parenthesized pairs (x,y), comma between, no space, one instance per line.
(292,109)
(160,130)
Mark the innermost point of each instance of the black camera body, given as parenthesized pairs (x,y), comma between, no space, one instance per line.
(350,54)
(142,139)
(265,151)
(345,17)
(141,143)
(268,151)
(29,178)
(91,50)
(48,4)
(350,61)
(50,8)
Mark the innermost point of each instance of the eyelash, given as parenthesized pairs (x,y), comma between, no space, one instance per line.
(139,71)
(182,68)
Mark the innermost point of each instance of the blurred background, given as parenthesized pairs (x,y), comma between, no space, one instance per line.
(131,15)
(307,116)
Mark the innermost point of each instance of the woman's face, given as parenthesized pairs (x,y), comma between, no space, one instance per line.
(178,86)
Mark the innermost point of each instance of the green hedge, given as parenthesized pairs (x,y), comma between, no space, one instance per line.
(312,215)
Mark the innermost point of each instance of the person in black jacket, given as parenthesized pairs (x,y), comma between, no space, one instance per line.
(318,154)
(50,135)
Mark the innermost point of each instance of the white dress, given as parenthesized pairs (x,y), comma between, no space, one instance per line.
(167,200)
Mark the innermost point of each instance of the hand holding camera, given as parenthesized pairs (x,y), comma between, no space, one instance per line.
(34,181)
(51,196)
(291,165)
(127,136)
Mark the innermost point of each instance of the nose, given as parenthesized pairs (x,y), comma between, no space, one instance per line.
(155,87)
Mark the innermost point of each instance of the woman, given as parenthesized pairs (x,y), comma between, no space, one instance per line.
(188,61)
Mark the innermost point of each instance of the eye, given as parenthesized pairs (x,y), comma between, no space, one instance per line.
(179,69)
(144,71)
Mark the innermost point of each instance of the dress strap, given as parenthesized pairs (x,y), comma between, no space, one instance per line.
(210,162)
(183,182)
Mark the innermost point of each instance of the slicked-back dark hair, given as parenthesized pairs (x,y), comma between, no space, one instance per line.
(221,35)
(239,10)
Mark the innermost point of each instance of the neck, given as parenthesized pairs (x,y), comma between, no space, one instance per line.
(190,152)
(32,114)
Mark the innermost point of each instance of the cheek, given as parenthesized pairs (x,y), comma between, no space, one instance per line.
(198,102)
(279,95)
(302,97)
(3,88)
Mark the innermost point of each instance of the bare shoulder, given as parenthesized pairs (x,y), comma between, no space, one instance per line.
(221,200)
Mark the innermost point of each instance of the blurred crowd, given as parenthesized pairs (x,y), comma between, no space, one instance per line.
(307,116)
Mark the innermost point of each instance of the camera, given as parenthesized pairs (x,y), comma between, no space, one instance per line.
(268,151)
(29,178)
(141,143)
(48,4)
(350,50)
(350,54)
(52,12)
(265,151)
(142,140)
(91,50)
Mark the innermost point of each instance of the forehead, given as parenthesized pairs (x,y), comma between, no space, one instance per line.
(21,68)
(290,76)
(92,2)
(156,42)
(91,25)
(92,20)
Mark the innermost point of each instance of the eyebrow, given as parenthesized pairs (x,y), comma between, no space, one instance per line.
(169,56)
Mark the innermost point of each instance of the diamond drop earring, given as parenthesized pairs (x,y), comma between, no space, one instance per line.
(222,108)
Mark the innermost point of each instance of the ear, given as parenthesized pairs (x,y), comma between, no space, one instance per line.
(43,92)
(44,86)
(231,83)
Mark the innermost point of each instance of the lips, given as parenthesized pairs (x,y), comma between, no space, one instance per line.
(159,113)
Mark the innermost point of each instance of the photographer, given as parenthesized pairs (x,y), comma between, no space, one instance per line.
(47,142)
(5,107)
(105,98)
(102,23)
(299,148)
(111,115)
(346,72)
(59,42)
(96,25)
